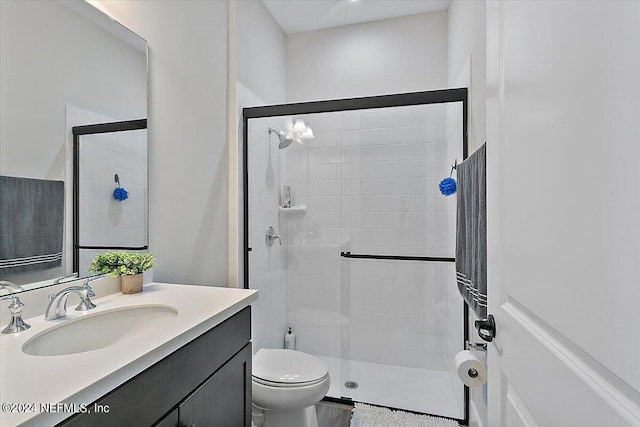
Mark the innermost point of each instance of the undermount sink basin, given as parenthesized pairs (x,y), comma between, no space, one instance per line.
(100,330)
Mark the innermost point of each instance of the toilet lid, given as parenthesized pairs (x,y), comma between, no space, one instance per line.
(287,366)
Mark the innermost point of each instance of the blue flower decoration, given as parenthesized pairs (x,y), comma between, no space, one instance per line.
(448,186)
(120,194)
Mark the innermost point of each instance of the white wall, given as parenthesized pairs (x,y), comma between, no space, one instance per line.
(260,52)
(260,66)
(389,56)
(259,62)
(188,158)
(467,39)
(467,67)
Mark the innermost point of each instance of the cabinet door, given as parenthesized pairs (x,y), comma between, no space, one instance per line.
(170,420)
(224,400)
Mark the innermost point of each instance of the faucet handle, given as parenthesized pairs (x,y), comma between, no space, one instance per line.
(86,303)
(270,235)
(16,324)
(89,290)
(85,299)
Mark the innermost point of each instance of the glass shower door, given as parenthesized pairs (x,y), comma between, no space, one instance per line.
(402,318)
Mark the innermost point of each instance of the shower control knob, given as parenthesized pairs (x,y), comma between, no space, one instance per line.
(270,235)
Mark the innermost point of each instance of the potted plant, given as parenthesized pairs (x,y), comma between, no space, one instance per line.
(128,265)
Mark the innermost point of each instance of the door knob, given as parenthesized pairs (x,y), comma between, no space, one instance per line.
(486,328)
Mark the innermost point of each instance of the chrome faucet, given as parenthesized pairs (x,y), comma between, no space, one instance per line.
(10,286)
(57,307)
(16,324)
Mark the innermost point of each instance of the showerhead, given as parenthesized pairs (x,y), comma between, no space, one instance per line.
(285,139)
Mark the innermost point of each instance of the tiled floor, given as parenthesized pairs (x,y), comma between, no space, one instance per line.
(333,414)
(418,390)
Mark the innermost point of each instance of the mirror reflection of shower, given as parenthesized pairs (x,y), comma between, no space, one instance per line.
(297,132)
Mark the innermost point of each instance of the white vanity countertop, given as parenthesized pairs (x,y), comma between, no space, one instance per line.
(82,378)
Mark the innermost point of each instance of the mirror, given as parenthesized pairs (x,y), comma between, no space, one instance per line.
(66,64)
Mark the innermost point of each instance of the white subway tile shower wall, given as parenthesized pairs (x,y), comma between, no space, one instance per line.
(397,158)
(313,170)
(104,221)
(266,264)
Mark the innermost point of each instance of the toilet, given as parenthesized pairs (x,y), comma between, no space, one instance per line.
(286,385)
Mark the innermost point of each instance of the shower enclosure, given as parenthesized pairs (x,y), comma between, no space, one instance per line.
(362,268)
(105,156)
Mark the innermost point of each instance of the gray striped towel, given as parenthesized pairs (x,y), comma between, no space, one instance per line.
(471,231)
(31,224)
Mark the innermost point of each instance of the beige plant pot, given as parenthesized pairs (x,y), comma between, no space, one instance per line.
(131,284)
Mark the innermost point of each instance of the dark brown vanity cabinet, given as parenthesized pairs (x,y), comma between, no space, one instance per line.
(214,403)
(206,383)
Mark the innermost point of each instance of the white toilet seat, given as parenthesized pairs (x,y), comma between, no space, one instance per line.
(280,367)
(287,384)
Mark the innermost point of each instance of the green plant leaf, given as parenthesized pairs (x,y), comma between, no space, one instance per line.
(122,263)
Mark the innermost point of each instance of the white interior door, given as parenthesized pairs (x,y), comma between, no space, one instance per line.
(564,212)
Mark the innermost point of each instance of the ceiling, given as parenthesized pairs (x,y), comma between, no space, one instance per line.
(295,16)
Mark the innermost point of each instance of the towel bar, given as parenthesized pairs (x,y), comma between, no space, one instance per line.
(396,257)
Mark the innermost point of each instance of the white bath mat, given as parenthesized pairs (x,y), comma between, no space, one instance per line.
(373,416)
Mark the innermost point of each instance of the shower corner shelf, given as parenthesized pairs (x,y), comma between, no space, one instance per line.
(292,209)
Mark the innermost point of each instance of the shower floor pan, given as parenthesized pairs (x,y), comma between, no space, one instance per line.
(413,389)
